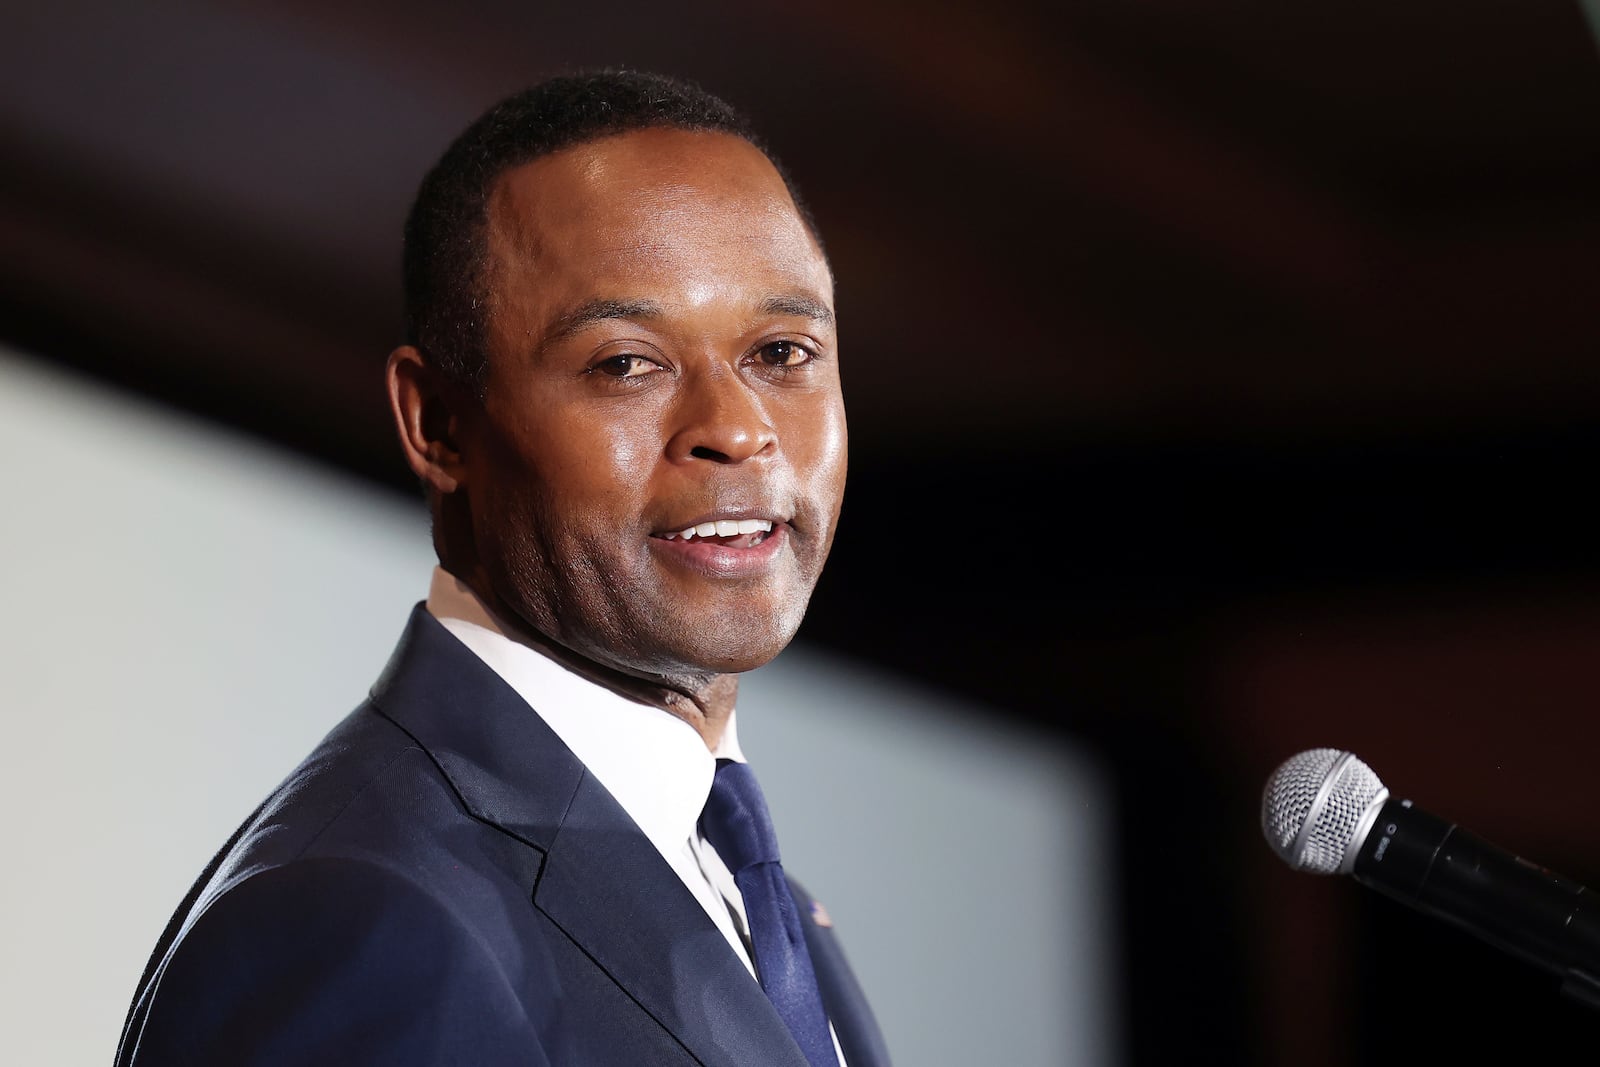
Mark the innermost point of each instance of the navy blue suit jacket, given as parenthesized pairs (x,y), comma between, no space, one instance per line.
(442,882)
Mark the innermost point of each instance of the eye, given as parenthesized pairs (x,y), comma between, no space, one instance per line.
(785,354)
(626,365)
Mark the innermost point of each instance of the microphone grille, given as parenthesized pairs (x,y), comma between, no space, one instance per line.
(1316,806)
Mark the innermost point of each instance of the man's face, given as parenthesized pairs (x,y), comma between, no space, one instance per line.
(662,356)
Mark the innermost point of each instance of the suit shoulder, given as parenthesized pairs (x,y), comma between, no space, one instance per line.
(331,959)
(365,759)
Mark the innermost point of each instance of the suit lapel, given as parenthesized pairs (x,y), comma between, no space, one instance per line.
(859,1037)
(608,888)
(601,881)
(509,768)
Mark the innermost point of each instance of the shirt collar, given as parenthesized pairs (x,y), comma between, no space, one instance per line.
(656,765)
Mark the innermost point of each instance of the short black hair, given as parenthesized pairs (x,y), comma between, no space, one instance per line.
(446,249)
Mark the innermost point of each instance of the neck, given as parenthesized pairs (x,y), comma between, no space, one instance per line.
(707,712)
(704,701)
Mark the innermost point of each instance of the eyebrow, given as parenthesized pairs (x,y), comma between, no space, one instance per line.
(802,306)
(593,311)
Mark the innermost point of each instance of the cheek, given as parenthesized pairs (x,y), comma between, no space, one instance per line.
(623,452)
(836,441)
(574,478)
(826,451)
(605,467)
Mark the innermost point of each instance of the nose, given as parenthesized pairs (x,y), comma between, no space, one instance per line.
(720,419)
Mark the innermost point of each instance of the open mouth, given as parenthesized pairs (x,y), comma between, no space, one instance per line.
(731,533)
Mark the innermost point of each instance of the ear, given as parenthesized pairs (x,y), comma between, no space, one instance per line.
(426,414)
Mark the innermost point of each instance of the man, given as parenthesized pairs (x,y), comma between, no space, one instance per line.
(622,396)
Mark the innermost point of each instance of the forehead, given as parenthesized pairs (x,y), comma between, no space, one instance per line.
(660,213)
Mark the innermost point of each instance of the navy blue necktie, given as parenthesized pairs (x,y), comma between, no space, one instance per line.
(737,824)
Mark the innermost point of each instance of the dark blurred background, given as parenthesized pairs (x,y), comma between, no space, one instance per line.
(1222,382)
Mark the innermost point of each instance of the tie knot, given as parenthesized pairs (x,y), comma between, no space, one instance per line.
(736,821)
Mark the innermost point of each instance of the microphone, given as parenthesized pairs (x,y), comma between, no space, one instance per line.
(1324,811)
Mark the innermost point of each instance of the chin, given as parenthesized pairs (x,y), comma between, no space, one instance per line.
(734,650)
(739,660)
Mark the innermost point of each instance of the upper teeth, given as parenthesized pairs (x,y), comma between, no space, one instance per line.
(724,528)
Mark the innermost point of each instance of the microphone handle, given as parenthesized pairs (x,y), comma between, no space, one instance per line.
(1520,907)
